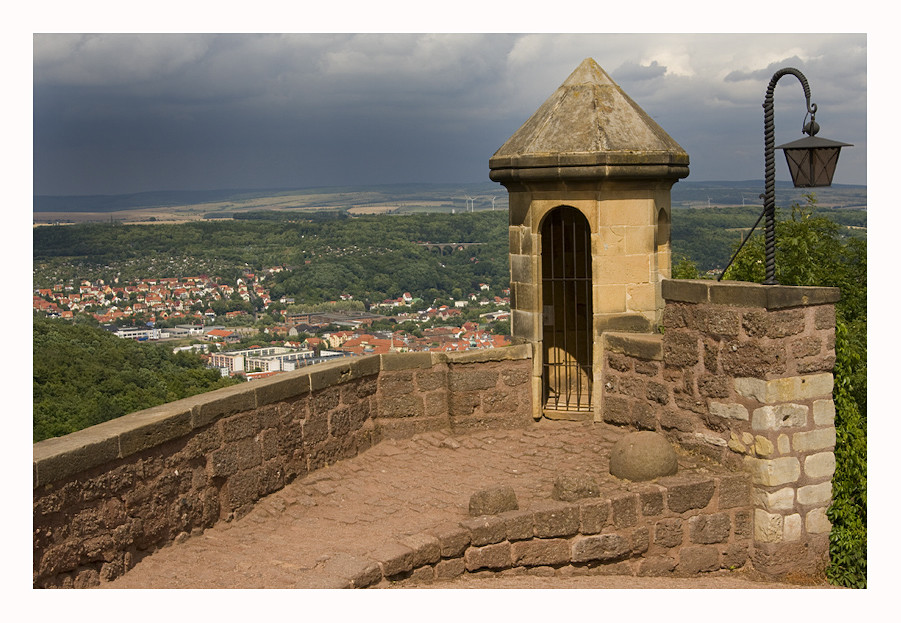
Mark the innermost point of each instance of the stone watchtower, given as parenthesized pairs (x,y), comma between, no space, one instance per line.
(589,178)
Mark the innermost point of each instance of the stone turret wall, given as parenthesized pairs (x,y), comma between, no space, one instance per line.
(742,373)
(106,496)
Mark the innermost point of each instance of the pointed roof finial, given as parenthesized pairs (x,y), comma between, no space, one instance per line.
(589,127)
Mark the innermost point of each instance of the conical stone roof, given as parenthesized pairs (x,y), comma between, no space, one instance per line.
(589,128)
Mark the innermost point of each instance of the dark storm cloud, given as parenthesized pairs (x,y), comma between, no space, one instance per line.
(124,113)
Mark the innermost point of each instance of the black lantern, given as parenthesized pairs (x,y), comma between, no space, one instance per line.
(811,160)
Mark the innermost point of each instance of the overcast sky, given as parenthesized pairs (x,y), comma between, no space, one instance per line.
(119,113)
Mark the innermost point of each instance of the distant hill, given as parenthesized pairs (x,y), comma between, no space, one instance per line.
(685,194)
(166,198)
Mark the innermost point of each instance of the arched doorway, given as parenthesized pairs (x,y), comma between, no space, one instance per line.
(566,311)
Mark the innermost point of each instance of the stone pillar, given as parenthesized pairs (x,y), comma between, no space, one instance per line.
(754,364)
(590,148)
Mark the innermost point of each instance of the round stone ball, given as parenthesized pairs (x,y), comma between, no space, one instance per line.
(643,455)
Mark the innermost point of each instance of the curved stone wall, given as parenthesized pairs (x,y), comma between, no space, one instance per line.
(106,496)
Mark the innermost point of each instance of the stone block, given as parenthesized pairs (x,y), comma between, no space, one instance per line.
(811,441)
(426,548)
(656,566)
(669,532)
(698,559)
(685,290)
(600,547)
(485,530)
(815,495)
(791,527)
(393,558)
(688,495)
(650,502)
(755,358)
(734,491)
(719,321)
(249,453)
(763,447)
(423,574)
(453,539)
(783,444)
(152,427)
(329,374)
(768,527)
(519,524)
(471,378)
(816,521)
(398,383)
(709,529)
(713,386)
(242,488)
(450,568)
(346,420)
(401,406)
(431,379)
(824,413)
(730,411)
(773,472)
(820,465)
(624,510)
(774,501)
(391,362)
(787,389)
(641,540)
(555,519)
(223,462)
(539,552)
(680,349)
(735,556)
(222,402)
(281,387)
(492,501)
(61,457)
(496,556)
(774,417)
(742,524)
(593,515)
(359,572)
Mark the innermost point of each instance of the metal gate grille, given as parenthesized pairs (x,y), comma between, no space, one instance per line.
(566,292)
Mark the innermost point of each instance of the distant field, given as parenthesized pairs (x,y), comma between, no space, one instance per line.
(166,207)
(181,207)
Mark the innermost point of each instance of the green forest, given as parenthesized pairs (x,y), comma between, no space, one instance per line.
(84,376)
(369,257)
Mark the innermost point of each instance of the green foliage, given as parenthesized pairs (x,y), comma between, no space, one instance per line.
(848,512)
(83,376)
(708,237)
(685,269)
(812,251)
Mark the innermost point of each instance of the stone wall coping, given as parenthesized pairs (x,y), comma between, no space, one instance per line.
(61,457)
(648,346)
(745,294)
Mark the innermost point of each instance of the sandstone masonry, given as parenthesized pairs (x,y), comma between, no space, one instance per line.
(106,496)
(743,373)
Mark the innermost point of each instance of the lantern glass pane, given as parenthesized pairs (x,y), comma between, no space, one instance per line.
(812,167)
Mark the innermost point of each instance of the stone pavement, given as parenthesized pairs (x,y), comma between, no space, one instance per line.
(305,535)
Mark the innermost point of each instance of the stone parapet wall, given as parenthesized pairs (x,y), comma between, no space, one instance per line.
(106,496)
(743,374)
(678,526)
